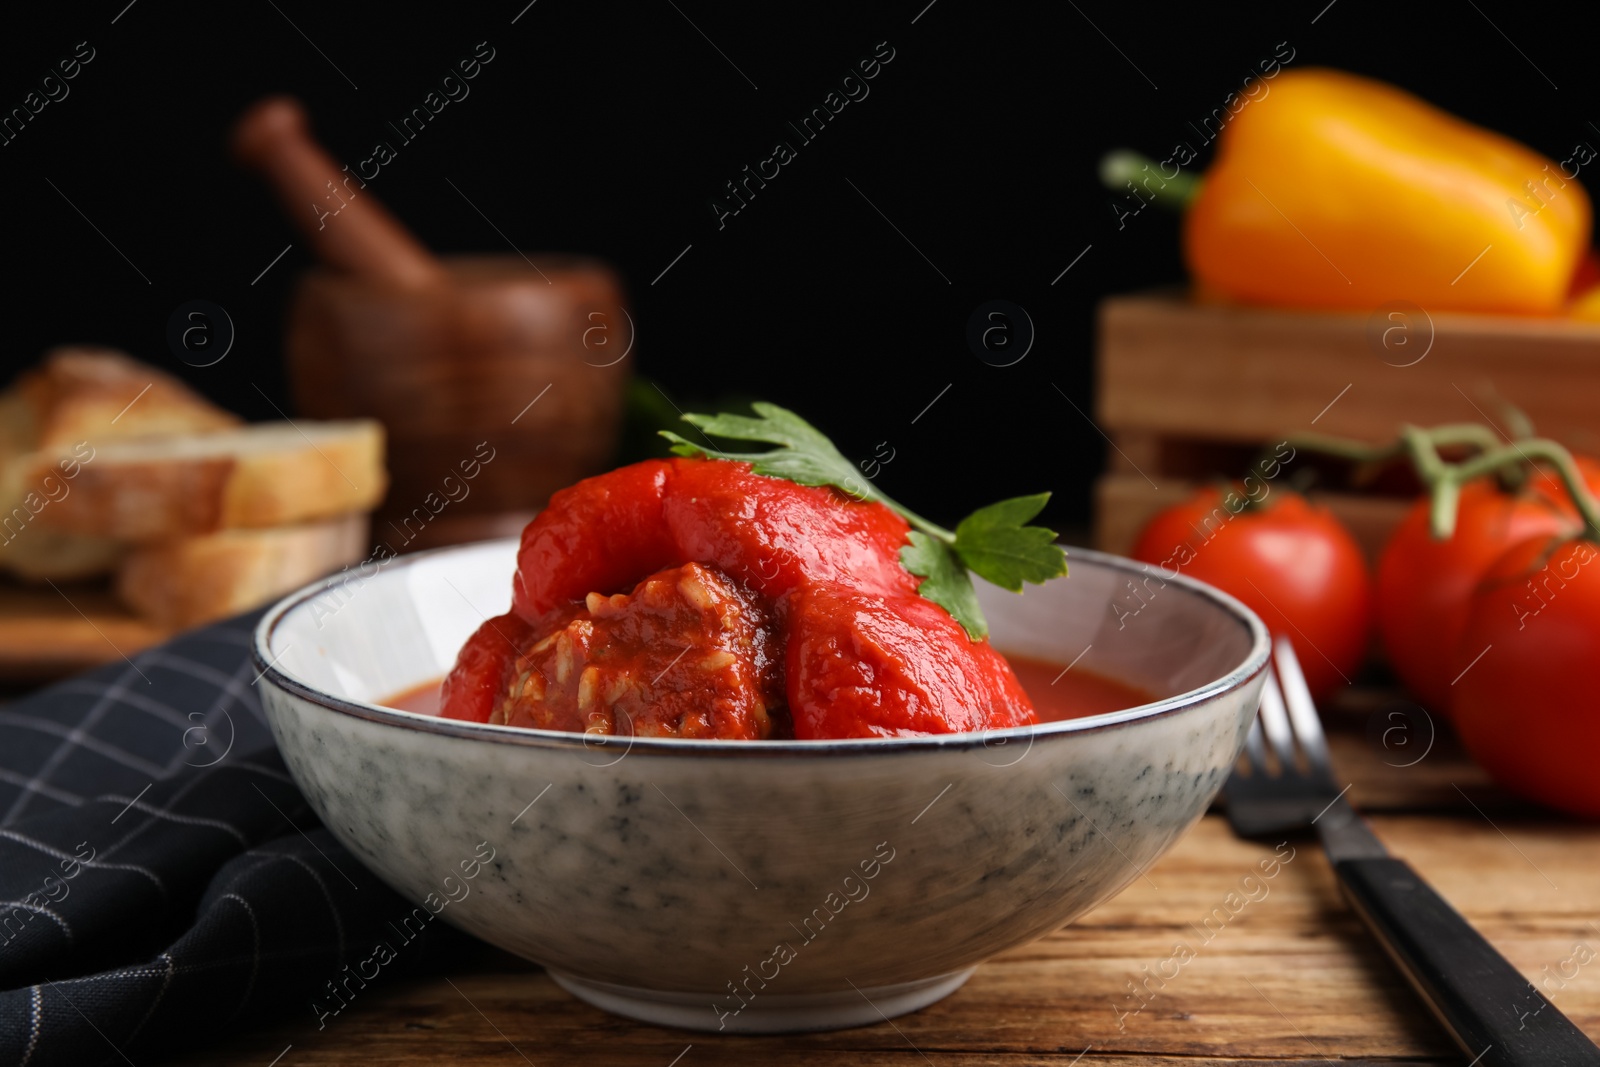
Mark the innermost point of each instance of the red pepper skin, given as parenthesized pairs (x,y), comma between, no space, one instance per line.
(475,686)
(863,665)
(862,654)
(603,534)
(607,533)
(774,535)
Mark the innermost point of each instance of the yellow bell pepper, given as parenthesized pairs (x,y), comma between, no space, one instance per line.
(1586,305)
(1336,191)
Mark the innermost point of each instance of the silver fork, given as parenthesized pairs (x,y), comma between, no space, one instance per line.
(1497,1016)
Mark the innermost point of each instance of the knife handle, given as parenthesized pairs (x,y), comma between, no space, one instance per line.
(1494,1013)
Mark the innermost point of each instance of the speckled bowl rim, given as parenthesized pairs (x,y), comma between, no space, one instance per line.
(1253,664)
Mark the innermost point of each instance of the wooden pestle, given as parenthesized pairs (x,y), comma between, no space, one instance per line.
(504,374)
(274,137)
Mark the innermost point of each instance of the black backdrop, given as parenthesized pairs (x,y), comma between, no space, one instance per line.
(607,128)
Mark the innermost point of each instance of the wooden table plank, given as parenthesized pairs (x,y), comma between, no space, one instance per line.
(1289,978)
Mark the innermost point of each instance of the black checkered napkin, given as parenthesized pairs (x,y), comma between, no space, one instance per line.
(161,878)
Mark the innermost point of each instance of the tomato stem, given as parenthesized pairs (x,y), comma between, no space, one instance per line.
(1525,453)
(1511,463)
(1459,434)
(1514,477)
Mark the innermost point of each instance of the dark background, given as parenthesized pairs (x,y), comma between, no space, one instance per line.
(607,128)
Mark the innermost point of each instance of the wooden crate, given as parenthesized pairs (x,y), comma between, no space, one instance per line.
(1188,391)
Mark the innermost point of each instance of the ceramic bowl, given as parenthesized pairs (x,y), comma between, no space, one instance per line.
(758,886)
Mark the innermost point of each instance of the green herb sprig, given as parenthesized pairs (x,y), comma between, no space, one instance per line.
(994,542)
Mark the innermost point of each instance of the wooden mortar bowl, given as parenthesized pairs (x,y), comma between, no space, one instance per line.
(529,361)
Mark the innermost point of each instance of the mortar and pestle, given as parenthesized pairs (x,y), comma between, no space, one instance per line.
(520,359)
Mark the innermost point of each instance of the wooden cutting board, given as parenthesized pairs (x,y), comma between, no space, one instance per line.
(47,632)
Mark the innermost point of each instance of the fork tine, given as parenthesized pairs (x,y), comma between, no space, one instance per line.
(1302,711)
(1274,722)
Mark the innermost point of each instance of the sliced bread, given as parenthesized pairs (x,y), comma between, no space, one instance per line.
(195,580)
(85,393)
(37,555)
(79,393)
(265,474)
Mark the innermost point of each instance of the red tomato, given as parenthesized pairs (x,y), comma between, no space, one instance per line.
(1424,584)
(1525,704)
(1291,563)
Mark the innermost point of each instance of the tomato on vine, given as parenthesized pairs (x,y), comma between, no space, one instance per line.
(1288,560)
(1425,583)
(1527,637)
(1526,705)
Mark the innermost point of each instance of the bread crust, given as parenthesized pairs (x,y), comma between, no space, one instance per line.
(265,474)
(87,393)
(195,580)
(80,393)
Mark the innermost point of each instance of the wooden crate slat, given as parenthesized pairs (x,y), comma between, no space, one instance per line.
(1173,367)
(1182,382)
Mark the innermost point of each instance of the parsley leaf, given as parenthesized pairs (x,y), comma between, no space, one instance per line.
(944,581)
(993,542)
(804,455)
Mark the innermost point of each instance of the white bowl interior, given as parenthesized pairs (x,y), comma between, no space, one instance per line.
(369,637)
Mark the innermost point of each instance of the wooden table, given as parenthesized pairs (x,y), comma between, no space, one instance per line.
(1292,978)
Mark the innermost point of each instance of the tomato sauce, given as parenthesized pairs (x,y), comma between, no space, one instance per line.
(1056,693)
(422,699)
